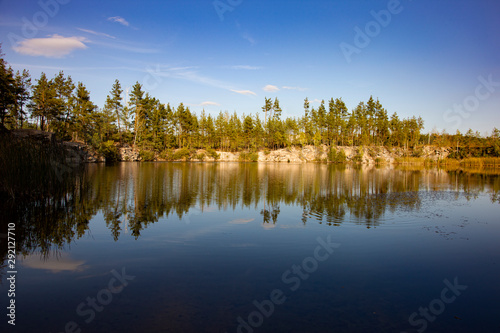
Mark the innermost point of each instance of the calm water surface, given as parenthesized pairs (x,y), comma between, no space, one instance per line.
(174,247)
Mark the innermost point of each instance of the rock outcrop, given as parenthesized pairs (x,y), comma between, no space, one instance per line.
(364,155)
(75,152)
(81,153)
(127,153)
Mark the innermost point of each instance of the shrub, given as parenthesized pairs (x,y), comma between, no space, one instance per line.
(213,154)
(146,155)
(200,156)
(249,157)
(332,154)
(108,150)
(341,157)
(418,152)
(358,158)
(336,157)
(181,154)
(167,155)
(410,160)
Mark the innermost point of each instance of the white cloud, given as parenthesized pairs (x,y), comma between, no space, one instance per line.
(251,68)
(55,46)
(294,88)
(96,33)
(244,92)
(208,103)
(270,88)
(119,19)
(318,101)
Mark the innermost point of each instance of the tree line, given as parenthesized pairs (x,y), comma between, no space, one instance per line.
(64,107)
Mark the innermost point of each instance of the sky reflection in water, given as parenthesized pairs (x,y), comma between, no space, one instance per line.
(204,241)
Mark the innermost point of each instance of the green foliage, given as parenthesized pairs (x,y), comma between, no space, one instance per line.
(60,106)
(146,155)
(418,152)
(167,155)
(109,151)
(341,157)
(213,154)
(332,154)
(249,156)
(411,160)
(336,157)
(182,154)
(358,158)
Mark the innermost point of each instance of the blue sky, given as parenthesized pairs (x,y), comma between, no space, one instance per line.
(436,59)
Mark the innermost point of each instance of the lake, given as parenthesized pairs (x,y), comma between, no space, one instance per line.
(246,247)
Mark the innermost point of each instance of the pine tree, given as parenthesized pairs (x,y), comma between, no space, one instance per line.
(137,110)
(248,130)
(45,103)
(22,93)
(114,103)
(7,89)
(268,106)
(64,88)
(84,114)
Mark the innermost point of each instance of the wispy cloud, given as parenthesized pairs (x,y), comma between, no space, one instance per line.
(244,92)
(73,68)
(294,88)
(185,73)
(96,33)
(54,46)
(249,38)
(247,67)
(125,47)
(208,103)
(195,77)
(315,101)
(119,19)
(271,88)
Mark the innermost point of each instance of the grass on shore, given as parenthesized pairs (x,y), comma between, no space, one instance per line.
(470,162)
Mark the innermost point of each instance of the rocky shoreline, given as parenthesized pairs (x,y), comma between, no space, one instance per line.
(363,155)
(81,153)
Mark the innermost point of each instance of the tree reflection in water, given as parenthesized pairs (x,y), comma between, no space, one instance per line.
(137,195)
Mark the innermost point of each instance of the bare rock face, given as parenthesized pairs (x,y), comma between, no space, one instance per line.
(127,153)
(75,152)
(81,153)
(37,135)
(365,155)
(228,156)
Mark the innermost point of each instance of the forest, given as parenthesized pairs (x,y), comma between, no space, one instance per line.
(64,107)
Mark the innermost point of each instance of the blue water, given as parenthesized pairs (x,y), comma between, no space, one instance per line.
(192,252)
